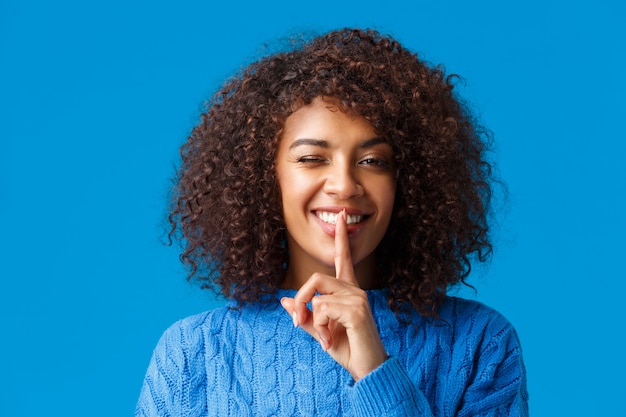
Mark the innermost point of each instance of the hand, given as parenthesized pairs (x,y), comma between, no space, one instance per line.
(341,320)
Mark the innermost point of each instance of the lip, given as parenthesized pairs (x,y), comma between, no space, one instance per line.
(329,229)
(335,209)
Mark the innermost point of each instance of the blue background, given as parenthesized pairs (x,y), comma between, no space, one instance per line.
(96,97)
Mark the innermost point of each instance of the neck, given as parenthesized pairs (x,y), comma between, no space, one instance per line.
(366,274)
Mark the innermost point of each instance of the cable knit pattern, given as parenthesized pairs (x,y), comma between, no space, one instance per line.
(252,362)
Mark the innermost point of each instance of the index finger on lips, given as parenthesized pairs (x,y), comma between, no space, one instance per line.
(344,270)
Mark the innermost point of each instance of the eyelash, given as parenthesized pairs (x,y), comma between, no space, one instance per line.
(311,159)
(376,162)
(381,163)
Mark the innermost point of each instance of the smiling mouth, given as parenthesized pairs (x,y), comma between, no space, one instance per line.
(331,218)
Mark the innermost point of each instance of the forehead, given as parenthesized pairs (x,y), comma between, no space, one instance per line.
(323,119)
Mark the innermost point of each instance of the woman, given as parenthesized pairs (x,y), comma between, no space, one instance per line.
(334,193)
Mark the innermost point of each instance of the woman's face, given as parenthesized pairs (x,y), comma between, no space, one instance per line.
(328,161)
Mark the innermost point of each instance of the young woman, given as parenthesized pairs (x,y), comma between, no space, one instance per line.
(335,193)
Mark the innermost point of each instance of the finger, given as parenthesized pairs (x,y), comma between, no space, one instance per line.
(289,306)
(317,284)
(307,325)
(331,311)
(324,316)
(327,310)
(343,260)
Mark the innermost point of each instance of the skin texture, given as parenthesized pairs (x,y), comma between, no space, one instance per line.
(331,161)
(341,320)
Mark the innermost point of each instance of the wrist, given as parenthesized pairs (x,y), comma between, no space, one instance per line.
(375,363)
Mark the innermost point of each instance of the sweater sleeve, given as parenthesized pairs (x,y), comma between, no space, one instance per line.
(170,387)
(496,387)
(388,391)
(161,393)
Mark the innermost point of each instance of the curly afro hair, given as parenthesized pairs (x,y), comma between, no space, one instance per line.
(226,206)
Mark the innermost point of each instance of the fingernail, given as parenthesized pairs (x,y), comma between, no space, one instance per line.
(295,319)
(324,343)
(282,301)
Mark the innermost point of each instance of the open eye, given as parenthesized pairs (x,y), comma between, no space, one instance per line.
(375,163)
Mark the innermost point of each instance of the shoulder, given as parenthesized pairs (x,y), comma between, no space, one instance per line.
(489,354)
(187,334)
(481,327)
(192,334)
(461,312)
(176,358)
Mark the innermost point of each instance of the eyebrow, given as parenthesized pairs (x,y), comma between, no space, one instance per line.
(324,144)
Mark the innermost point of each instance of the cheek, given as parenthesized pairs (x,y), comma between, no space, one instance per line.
(293,195)
(386,195)
(295,187)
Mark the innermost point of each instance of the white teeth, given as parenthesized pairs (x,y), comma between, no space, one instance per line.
(331,218)
(353,219)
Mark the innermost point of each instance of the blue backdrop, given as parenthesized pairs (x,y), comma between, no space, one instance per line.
(96,97)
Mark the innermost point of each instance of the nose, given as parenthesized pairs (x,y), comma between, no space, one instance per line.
(342,182)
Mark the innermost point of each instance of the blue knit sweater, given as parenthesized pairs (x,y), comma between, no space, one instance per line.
(252,362)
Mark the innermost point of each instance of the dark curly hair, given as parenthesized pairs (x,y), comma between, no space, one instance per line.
(226,206)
